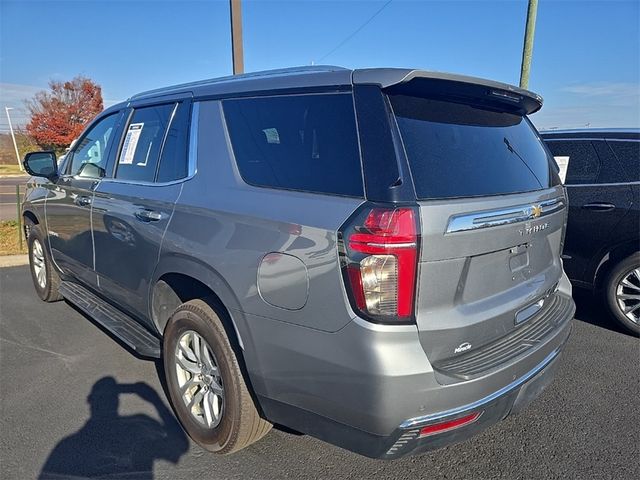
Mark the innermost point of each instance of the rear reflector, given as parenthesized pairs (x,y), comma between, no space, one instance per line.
(449,425)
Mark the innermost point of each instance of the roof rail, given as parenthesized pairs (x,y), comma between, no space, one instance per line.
(243,76)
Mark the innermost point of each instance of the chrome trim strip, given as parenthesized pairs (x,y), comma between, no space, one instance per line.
(193,139)
(612,184)
(192,157)
(588,139)
(590,130)
(493,218)
(412,422)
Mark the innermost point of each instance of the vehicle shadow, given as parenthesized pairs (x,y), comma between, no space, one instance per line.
(590,308)
(111,445)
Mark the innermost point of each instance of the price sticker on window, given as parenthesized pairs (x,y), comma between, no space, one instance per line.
(130,143)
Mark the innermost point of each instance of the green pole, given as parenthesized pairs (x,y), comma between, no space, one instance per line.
(527,51)
(19,216)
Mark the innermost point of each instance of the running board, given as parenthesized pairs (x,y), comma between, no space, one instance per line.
(123,327)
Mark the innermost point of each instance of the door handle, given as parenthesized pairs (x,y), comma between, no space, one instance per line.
(599,206)
(82,201)
(148,215)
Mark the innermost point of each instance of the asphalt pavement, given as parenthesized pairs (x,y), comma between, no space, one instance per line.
(8,209)
(61,379)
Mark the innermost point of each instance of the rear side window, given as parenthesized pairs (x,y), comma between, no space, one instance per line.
(581,160)
(143,141)
(459,150)
(174,157)
(301,142)
(628,154)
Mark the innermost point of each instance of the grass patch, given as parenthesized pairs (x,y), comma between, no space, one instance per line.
(10,170)
(9,243)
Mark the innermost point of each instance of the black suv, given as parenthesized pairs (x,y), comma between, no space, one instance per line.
(601,171)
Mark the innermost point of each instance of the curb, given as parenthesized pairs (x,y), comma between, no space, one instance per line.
(13,260)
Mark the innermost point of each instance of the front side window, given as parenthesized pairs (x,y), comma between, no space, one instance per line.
(580,159)
(144,137)
(89,156)
(299,142)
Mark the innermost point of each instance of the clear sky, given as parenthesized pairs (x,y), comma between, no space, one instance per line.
(586,59)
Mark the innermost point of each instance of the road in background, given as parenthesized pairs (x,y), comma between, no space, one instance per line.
(53,367)
(8,196)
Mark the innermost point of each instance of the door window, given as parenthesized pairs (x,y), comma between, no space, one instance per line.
(89,157)
(174,158)
(143,142)
(628,154)
(581,160)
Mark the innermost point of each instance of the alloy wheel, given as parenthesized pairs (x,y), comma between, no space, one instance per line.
(199,379)
(628,295)
(39,266)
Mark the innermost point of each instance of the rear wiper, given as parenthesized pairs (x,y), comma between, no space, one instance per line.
(513,150)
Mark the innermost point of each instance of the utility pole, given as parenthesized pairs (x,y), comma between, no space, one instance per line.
(13,136)
(527,50)
(236,36)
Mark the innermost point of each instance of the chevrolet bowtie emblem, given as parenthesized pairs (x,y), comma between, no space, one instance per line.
(536,211)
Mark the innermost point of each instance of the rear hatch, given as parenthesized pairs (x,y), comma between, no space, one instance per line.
(493,212)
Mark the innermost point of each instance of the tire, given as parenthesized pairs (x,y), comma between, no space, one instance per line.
(624,279)
(46,280)
(232,421)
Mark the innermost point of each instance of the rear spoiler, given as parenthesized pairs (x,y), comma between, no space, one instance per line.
(436,84)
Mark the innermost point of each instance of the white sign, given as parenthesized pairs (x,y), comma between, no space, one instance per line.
(130,143)
(563,164)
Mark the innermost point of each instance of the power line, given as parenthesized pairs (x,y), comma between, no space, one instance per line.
(349,37)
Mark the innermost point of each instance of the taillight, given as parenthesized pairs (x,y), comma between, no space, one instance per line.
(565,218)
(379,259)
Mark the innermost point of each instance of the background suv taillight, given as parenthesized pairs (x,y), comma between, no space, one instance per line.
(379,261)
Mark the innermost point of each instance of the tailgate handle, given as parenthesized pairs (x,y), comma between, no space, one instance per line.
(599,206)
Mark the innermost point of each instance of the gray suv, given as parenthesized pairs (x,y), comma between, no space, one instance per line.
(371,257)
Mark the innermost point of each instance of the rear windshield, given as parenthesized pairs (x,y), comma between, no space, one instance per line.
(459,150)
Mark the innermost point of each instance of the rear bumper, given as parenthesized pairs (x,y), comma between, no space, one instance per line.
(370,389)
(405,439)
(491,409)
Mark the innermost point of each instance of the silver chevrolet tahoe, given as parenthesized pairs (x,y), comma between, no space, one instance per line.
(371,257)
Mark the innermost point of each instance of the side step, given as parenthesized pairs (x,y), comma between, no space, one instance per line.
(125,328)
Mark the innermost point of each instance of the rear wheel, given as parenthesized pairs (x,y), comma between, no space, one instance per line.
(205,382)
(45,279)
(623,293)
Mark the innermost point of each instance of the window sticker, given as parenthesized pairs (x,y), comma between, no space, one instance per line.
(563,164)
(272,135)
(130,143)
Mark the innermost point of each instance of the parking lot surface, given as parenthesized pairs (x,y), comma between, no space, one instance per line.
(74,402)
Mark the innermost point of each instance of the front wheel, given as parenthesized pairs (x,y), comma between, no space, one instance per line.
(45,278)
(623,293)
(205,383)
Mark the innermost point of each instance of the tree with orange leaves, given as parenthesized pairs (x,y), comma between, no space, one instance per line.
(59,115)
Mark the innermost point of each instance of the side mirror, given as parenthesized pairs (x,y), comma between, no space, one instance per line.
(41,164)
